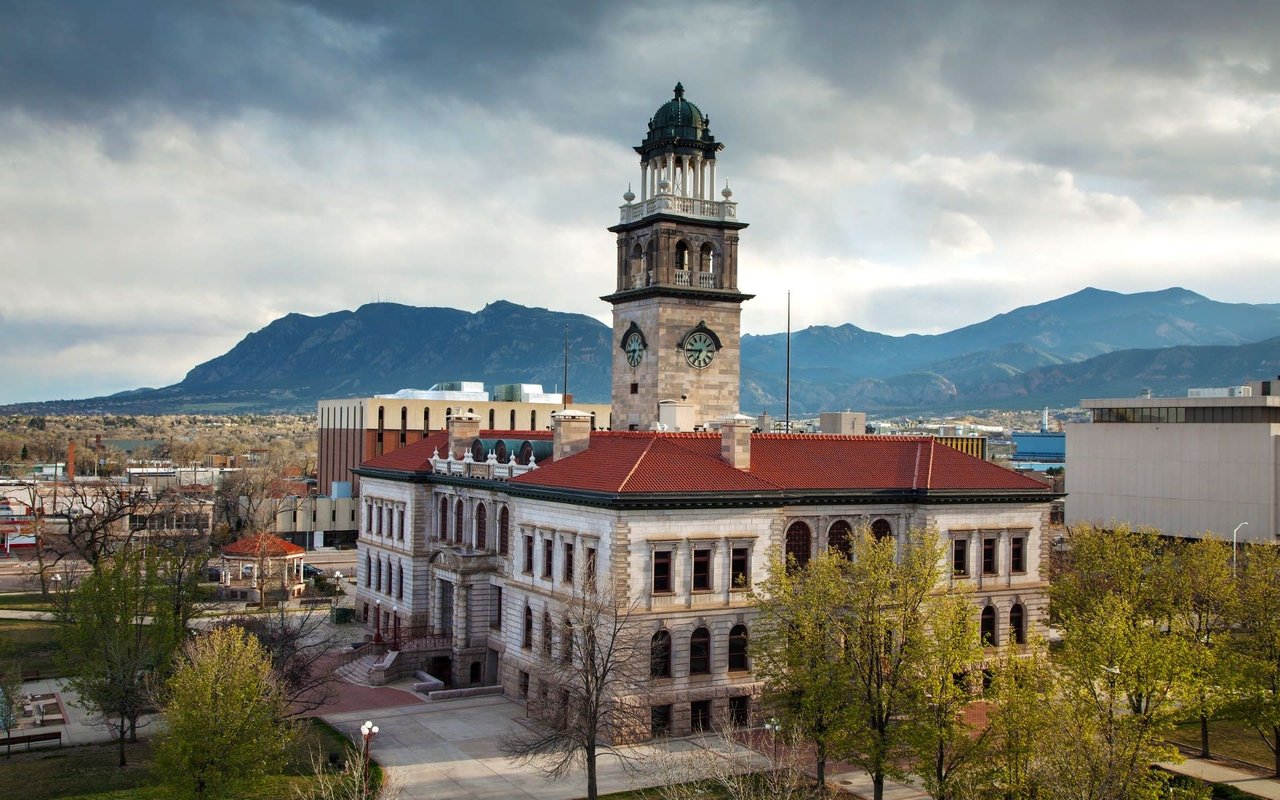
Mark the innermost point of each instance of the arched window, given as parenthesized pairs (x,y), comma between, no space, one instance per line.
(738,649)
(426,421)
(707,258)
(378,442)
(660,655)
(881,529)
(404,425)
(457,522)
(377,580)
(682,256)
(566,642)
(448,412)
(1018,624)
(533,420)
(840,538)
(700,652)
(504,531)
(988,627)
(797,545)
(527,641)
(443,533)
(368,571)
(482,526)
(492,417)
(547,634)
(513,420)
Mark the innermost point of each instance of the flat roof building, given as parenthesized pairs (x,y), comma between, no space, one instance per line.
(1184,465)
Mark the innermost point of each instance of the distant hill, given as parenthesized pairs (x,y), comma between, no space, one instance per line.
(1092,343)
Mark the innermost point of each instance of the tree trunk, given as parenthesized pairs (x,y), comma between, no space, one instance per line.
(1204,735)
(1275,737)
(121,737)
(591,772)
(821,767)
(877,786)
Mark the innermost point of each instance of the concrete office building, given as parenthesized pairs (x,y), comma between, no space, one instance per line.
(1184,465)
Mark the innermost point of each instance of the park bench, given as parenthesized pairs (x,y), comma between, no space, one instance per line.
(31,675)
(32,738)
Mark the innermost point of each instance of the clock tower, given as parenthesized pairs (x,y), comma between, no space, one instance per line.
(677,308)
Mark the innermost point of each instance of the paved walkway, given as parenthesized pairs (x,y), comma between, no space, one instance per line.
(1215,772)
(79,726)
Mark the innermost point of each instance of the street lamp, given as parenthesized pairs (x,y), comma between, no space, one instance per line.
(1233,547)
(337,583)
(367,731)
(377,622)
(774,727)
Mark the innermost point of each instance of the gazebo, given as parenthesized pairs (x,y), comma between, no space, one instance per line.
(258,564)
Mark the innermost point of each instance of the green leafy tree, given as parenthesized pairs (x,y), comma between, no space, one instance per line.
(797,646)
(949,751)
(885,617)
(10,691)
(224,714)
(117,636)
(1021,713)
(1258,646)
(1205,605)
(1123,562)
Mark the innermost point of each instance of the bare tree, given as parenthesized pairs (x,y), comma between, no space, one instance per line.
(591,691)
(721,765)
(298,645)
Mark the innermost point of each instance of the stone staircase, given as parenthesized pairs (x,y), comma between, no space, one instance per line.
(357,671)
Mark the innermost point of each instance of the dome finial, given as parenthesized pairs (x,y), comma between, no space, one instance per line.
(679,90)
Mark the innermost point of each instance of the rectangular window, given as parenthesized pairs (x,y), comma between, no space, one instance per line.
(495,609)
(635,389)
(524,684)
(589,572)
(662,572)
(702,570)
(990,556)
(740,568)
(1018,554)
(567,570)
(700,715)
(547,556)
(660,720)
(528,554)
(740,710)
(960,557)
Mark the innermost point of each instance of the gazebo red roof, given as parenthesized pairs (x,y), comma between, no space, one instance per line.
(262,544)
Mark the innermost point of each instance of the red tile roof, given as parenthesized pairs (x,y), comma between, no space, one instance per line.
(626,461)
(262,544)
(622,462)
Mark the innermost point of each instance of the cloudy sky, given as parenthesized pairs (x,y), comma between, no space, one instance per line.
(176,175)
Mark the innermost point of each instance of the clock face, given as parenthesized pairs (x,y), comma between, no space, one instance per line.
(634,347)
(699,349)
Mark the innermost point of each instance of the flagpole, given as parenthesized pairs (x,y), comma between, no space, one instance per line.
(788,408)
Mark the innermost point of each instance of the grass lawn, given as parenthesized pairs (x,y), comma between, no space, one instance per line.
(25,601)
(34,643)
(1227,737)
(90,773)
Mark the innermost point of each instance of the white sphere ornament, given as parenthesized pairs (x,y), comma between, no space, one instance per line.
(726,192)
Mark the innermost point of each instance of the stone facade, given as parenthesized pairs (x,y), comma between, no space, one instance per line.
(663,372)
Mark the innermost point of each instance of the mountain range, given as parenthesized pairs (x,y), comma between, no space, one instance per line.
(1092,343)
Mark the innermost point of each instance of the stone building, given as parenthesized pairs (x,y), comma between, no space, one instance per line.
(472,540)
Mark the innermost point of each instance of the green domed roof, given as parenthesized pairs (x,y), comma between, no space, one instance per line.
(679,113)
(681,125)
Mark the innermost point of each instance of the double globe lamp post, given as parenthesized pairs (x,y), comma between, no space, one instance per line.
(367,731)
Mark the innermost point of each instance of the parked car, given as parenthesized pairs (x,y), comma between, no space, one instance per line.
(310,571)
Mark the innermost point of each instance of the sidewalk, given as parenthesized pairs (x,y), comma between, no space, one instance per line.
(1214,772)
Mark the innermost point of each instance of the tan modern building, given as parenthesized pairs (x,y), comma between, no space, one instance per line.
(357,429)
(1183,465)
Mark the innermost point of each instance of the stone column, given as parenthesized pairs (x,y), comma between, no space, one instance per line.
(644,181)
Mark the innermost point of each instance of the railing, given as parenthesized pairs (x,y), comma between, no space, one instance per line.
(489,468)
(684,206)
(703,280)
(356,653)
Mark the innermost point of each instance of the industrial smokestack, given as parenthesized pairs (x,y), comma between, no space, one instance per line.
(71,459)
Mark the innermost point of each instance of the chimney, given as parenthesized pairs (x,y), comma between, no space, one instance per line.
(71,459)
(464,428)
(571,432)
(735,441)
